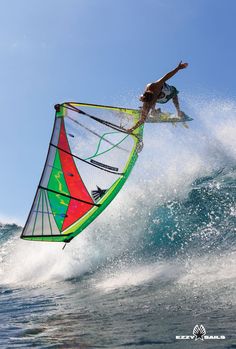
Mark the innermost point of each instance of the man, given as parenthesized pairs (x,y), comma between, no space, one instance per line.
(159,92)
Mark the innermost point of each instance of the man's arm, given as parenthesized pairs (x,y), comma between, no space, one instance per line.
(172,73)
(144,114)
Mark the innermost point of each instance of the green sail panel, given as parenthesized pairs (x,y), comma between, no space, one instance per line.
(59,204)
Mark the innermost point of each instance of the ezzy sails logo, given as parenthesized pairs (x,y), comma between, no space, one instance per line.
(199,332)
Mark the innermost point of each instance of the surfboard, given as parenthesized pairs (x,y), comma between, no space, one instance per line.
(163,116)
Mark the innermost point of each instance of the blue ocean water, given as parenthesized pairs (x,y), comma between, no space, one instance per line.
(160,260)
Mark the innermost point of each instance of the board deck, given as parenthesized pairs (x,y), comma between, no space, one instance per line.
(167,117)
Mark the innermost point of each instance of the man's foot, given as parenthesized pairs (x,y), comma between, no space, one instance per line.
(180,114)
(156,112)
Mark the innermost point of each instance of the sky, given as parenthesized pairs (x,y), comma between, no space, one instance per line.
(97,51)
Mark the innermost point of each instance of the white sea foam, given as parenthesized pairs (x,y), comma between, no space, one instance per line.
(130,276)
(208,269)
(203,273)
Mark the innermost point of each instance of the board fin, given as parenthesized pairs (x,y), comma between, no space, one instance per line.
(185,125)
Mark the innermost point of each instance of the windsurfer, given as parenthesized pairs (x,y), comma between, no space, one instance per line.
(159,92)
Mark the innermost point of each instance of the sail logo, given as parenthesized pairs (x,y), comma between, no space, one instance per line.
(199,333)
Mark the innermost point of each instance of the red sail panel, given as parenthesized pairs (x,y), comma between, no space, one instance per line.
(74,183)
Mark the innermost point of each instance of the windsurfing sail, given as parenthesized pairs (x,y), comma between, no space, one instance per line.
(89,159)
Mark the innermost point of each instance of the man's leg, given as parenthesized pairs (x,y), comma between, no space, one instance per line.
(176,104)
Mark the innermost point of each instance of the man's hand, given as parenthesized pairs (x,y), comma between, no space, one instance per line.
(182,65)
(170,74)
